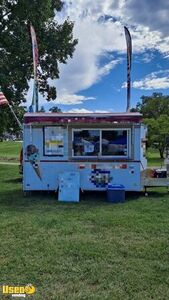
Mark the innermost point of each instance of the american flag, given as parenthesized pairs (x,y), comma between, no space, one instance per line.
(3,99)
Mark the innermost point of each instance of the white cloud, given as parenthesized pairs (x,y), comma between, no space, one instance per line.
(83,110)
(99,29)
(151,13)
(81,9)
(71,99)
(84,69)
(145,58)
(107,68)
(153,81)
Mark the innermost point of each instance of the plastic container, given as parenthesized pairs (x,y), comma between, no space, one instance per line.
(160,173)
(116,193)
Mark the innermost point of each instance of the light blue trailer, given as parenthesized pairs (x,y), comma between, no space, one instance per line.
(104,148)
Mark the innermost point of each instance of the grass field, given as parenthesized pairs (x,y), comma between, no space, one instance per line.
(88,250)
(9,151)
(153,158)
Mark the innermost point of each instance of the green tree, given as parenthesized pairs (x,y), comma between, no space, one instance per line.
(8,122)
(153,106)
(55,109)
(55,42)
(42,109)
(158,132)
(155,110)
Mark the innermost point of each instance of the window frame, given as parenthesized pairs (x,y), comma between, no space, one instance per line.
(100,155)
(81,129)
(44,152)
(128,142)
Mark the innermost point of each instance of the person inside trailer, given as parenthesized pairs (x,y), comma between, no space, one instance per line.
(85,142)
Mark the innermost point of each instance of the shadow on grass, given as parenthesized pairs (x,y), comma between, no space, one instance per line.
(13,180)
(14,199)
(93,196)
(156,193)
(133,196)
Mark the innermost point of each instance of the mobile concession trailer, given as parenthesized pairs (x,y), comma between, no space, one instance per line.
(102,148)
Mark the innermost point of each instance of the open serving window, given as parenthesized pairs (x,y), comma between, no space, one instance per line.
(86,142)
(53,141)
(102,142)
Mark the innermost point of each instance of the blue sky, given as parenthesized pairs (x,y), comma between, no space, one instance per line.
(94,79)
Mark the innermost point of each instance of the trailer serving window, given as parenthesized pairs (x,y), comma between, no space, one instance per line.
(102,142)
(86,142)
(114,142)
(53,141)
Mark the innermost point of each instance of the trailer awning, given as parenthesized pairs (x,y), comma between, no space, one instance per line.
(74,118)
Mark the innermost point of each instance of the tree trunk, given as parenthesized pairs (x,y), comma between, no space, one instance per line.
(161,150)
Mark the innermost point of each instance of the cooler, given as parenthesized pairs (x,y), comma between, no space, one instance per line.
(116,193)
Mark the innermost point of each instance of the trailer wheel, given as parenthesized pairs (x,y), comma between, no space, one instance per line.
(145,192)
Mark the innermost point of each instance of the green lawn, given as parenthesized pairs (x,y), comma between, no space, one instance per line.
(154,159)
(9,151)
(88,250)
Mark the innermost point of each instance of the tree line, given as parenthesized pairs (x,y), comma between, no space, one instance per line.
(155,110)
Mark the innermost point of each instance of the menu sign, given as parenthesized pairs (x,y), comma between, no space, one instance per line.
(54,140)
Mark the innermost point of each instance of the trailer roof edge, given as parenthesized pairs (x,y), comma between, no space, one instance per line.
(69,118)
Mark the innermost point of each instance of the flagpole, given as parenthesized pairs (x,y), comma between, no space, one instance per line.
(4,101)
(128,92)
(129,56)
(36,96)
(12,111)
